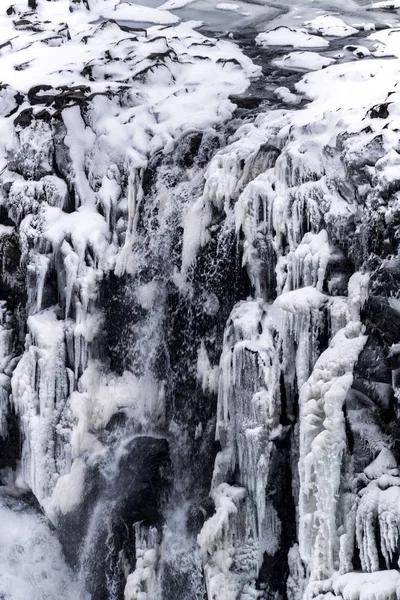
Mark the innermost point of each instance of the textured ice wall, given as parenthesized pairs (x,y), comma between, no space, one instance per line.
(313,195)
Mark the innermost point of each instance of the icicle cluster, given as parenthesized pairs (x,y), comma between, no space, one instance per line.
(306,198)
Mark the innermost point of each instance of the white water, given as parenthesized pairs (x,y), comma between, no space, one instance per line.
(31,560)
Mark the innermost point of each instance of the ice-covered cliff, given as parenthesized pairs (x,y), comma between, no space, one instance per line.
(199,305)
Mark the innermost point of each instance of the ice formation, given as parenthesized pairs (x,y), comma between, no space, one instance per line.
(199,313)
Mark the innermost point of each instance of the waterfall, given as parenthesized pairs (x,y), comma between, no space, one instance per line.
(199,312)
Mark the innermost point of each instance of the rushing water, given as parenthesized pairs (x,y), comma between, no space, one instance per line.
(31,559)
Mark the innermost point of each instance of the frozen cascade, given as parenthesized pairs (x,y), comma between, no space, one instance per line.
(199,321)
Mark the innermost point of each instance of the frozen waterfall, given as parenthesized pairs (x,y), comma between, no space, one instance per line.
(199,300)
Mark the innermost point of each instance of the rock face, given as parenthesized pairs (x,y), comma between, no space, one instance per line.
(199,339)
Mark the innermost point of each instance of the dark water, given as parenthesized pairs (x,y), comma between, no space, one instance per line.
(259,15)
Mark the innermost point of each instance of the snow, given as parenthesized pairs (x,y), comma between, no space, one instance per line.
(228,6)
(141,94)
(301,301)
(303,61)
(359,586)
(330,26)
(386,5)
(285,36)
(134,12)
(283,93)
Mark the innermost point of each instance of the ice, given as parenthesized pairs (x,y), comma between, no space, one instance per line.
(68,491)
(308,263)
(197,219)
(385,462)
(40,388)
(6,363)
(143,578)
(247,358)
(216,538)
(378,511)
(207,375)
(81,224)
(291,190)
(104,394)
(174,4)
(322,443)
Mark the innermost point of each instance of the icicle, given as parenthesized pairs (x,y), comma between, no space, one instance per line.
(142,583)
(322,443)
(135,197)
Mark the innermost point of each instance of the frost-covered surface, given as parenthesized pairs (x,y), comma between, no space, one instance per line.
(199,333)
